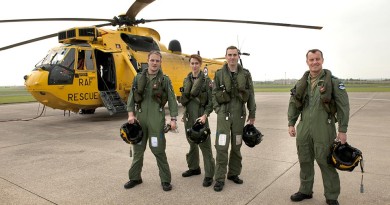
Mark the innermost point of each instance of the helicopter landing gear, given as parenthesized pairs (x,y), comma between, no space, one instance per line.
(87,111)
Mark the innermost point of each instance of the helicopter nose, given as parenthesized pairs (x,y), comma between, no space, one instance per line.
(25,77)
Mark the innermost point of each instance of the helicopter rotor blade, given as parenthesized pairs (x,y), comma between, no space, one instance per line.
(54,19)
(40,39)
(136,7)
(237,21)
(29,41)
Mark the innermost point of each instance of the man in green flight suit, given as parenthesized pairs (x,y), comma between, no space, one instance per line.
(318,97)
(150,92)
(196,98)
(233,88)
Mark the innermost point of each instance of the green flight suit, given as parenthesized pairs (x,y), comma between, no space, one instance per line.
(198,105)
(316,132)
(231,117)
(152,119)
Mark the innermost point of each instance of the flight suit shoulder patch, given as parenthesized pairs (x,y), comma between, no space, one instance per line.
(341,86)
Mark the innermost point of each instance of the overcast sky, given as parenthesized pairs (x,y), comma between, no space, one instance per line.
(355,37)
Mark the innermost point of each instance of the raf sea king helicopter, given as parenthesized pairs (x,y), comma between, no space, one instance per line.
(95,66)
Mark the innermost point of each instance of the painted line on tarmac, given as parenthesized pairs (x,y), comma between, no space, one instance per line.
(371,99)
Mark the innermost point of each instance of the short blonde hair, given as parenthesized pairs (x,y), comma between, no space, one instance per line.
(154,52)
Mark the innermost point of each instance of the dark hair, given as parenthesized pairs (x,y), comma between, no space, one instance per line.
(232,47)
(197,57)
(314,51)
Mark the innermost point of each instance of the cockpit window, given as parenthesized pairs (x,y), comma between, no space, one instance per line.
(58,57)
(61,70)
(54,56)
(67,59)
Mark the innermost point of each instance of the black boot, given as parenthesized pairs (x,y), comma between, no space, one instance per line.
(207,181)
(300,196)
(166,186)
(132,183)
(235,179)
(218,186)
(191,172)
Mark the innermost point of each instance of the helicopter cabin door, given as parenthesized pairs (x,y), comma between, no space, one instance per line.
(85,78)
(107,82)
(106,70)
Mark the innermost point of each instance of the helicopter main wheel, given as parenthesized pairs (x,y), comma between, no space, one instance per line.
(87,111)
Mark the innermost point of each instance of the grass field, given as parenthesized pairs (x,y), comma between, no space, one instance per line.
(14,94)
(18,94)
(353,87)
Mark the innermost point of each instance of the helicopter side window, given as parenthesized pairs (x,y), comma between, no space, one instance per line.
(85,60)
(80,60)
(140,43)
(89,60)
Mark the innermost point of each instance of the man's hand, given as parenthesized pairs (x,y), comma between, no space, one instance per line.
(131,119)
(291,131)
(202,119)
(173,125)
(251,121)
(342,137)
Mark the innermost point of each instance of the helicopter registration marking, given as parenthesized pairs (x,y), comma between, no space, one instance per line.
(82,96)
(85,82)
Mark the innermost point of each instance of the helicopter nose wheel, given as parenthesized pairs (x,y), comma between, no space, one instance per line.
(87,111)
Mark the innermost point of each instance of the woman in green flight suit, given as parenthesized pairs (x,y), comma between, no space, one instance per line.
(196,98)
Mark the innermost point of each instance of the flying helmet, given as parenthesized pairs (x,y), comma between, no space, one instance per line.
(131,133)
(345,157)
(251,135)
(198,133)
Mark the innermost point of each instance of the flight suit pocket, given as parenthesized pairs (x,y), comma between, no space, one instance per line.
(157,143)
(218,109)
(184,99)
(321,153)
(222,97)
(137,97)
(303,153)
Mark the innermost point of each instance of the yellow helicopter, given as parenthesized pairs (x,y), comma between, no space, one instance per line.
(95,66)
